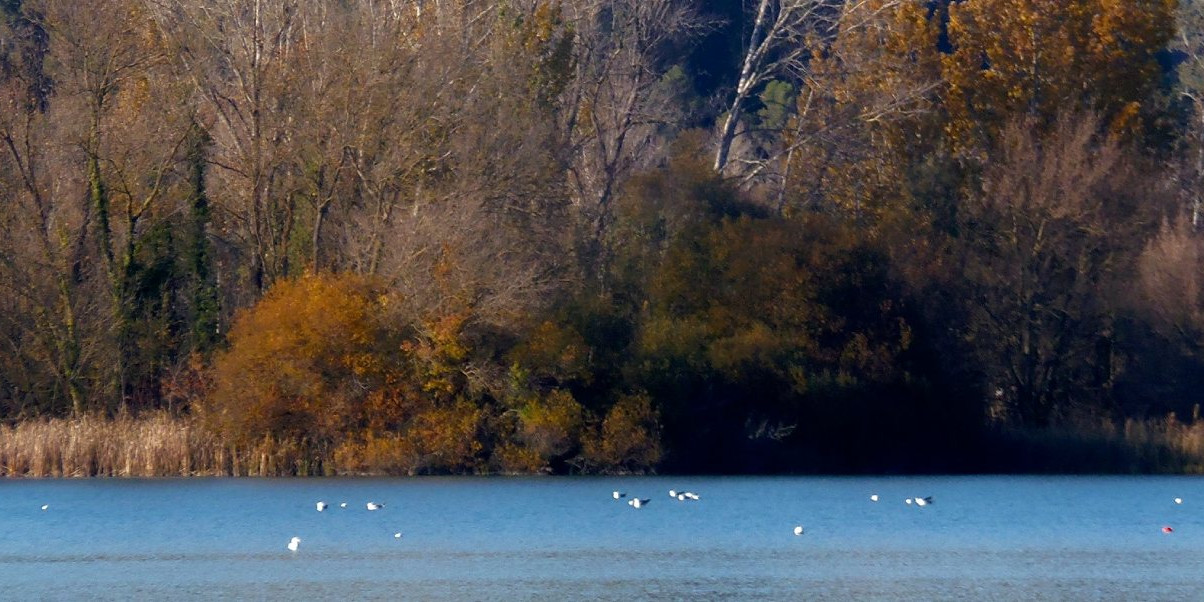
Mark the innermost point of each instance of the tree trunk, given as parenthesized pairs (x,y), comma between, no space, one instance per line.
(748,74)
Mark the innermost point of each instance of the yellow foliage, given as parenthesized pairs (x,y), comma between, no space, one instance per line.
(300,362)
(514,458)
(389,454)
(555,350)
(446,438)
(1044,57)
(630,437)
(869,108)
(437,440)
(551,426)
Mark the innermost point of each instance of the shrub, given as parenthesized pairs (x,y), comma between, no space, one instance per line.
(301,361)
(630,437)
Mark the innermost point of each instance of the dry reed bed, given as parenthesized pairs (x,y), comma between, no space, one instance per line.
(159,445)
(156,445)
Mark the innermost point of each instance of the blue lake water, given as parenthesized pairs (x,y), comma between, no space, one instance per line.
(985,537)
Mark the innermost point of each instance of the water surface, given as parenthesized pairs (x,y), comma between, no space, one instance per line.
(990,537)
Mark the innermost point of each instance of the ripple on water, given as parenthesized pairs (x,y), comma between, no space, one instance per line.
(1005,538)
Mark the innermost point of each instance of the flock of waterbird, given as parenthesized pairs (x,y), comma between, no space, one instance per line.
(635,502)
(689,496)
(681,496)
(684,496)
(321,506)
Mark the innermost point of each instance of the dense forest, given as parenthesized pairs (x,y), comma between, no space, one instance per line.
(450,236)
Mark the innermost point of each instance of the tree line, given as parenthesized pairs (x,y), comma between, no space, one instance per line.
(604,235)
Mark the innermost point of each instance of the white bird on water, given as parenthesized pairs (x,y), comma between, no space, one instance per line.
(798,530)
(923,501)
(292,544)
(618,494)
(638,503)
(1178,500)
(907,501)
(45,507)
(342,504)
(397,535)
(874,497)
(672,493)
(321,506)
(375,506)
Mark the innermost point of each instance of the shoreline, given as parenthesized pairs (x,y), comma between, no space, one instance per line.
(161,446)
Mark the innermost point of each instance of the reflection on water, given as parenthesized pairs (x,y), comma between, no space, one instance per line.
(1010,538)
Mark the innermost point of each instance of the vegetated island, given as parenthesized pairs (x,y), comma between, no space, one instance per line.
(257,237)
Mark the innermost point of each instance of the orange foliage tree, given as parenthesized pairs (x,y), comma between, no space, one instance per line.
(302,362)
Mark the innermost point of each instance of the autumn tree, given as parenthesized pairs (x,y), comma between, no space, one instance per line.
(302,362)
(748,323)
(867,112)
(78,140)
(629,438)
(45,249)
(1043,58)
(1048,232)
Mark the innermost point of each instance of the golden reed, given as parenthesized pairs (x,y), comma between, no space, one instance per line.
(155,445)
(160,445)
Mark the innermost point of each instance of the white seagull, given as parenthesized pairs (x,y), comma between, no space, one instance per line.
(342,504)
(397,535)
(45,507)
(907,501)
(321,506)
(923,501)
(637,502)
(874,498)
(1178,500)
(618,494)
(798,530)
(672,493)
(375,506)
(292,544)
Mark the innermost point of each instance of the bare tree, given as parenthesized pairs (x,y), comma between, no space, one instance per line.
(476,194)
(617,110)
(863,113)
(240,56)
(44,256)
(131,127)
(90,162)
(1190,42)
(1171,291)
(1043,240)
(784,37)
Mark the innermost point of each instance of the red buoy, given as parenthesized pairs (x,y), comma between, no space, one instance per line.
(1167,530)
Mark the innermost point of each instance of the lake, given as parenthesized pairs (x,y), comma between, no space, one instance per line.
(493,538)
